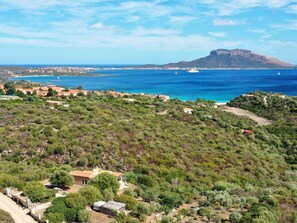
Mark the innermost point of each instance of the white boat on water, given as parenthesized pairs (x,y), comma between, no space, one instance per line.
(193,70)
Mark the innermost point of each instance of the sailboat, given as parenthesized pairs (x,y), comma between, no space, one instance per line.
(175,72)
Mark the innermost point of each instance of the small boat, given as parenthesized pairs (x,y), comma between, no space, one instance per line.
(175,72)
(278,73)
(193,70)
(58,78)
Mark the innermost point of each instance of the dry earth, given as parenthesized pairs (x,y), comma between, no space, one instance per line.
(244,113)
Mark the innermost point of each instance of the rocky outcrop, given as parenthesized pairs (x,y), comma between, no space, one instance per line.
(237,58)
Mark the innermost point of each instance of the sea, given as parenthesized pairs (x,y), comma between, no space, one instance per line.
(216,85)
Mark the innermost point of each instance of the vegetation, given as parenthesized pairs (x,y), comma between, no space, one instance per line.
(36,192)
(5,217)
(91,194)
(69,209)
(171,157)
(282,110)
(106,184)
(62,179)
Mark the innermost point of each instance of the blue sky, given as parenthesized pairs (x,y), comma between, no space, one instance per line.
(144,31)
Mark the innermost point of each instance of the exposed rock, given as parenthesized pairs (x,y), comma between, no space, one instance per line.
(237,58)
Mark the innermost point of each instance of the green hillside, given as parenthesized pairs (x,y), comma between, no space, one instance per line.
(173,156)
(279,108)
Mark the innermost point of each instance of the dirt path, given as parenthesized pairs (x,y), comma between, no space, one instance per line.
(244,113)
(17,213)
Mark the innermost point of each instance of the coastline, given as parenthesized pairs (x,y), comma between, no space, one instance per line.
(219,87)
(216,102)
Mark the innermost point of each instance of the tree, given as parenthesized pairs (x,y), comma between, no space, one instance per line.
(91,194)
(7,180)
(75,200)
(54,217)
(62,179)
(20,94)
(84,216)
(108,194)
(130,201)
(51,92)
(235,217)
(10,88)
(104,181)
(141,209)
(37,192)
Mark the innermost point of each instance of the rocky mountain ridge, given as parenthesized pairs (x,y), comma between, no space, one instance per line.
(237,58)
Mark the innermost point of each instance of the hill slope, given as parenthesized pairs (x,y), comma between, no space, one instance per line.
(237,58)
(280,108)
(167,153)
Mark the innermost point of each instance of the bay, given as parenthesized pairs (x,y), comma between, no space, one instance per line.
(217,85)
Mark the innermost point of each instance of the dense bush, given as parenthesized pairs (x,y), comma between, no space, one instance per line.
(91,194)
(62,178)
(105,181)
(168,157)
(37,192)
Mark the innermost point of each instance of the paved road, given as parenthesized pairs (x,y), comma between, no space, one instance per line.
(244,113)
(17,213)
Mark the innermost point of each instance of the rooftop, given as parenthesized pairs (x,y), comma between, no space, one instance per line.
(85,174)
(112,205)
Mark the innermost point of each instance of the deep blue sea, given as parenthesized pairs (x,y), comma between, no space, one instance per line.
(217,85)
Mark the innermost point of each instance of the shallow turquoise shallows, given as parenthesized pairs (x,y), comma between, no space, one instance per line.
(217,85)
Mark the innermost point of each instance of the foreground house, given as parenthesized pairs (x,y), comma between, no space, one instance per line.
(82,177)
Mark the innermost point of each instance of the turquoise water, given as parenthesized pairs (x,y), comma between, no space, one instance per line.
(217,85)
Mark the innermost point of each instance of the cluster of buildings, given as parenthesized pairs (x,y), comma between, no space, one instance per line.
(62,92)
(43,91)
(51,70)
(116,94)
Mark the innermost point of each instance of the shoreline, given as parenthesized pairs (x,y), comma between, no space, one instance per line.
(217,103)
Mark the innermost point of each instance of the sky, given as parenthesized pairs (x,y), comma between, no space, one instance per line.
(143,31)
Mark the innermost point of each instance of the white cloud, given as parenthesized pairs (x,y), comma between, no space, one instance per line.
(217,34)
(230,7)
(266,36)
(141,31)
(133,18)
(101,26)
(181,20)
(227,22)
(289,25)
(292,9)
(260,31)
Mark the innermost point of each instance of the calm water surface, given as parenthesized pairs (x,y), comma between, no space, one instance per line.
(217,85)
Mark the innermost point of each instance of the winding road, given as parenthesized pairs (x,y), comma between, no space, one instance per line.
(18,214)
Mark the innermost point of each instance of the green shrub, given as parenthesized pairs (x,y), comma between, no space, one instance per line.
(91,194)
(130,202)
(84,216)
(105,181)
(75,200)
(62,179)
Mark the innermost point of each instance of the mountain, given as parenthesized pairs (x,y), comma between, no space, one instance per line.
(237,58)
